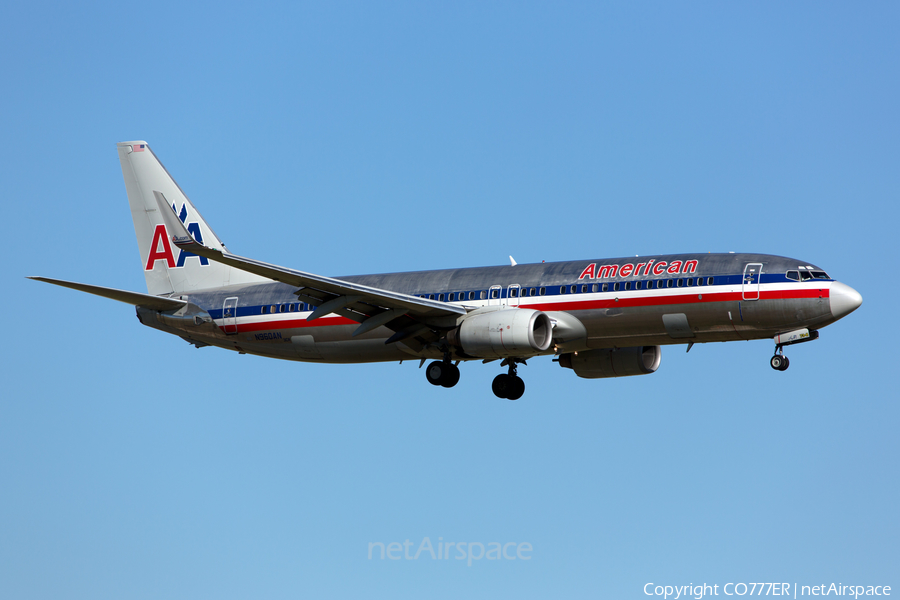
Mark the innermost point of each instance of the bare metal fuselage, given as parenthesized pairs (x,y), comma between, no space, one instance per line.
(718,299)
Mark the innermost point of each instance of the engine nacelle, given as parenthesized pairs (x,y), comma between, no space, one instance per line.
(504,333)
(613,362)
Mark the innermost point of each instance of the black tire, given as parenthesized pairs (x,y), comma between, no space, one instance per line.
(785,364)
(435,372)
(500,385)
(451,375)
(516,388)
(776,362)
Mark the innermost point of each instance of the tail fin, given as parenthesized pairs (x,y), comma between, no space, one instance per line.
(167,268)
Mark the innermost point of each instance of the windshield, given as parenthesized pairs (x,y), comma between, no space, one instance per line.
(806,274)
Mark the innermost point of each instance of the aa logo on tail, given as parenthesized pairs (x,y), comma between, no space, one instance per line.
(161,249)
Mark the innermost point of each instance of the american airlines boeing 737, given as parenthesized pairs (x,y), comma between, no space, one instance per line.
(598,317)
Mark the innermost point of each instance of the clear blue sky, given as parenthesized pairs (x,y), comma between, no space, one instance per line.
(346,138)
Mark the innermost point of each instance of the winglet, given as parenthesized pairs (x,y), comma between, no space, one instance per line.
(181,235)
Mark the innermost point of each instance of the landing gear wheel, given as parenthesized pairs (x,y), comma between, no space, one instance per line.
(501,385)
(441,373)
(450,376)
(516,388)
(779,362)
(435,372)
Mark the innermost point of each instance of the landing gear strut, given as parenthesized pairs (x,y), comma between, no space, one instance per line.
(508,385)
(443,373)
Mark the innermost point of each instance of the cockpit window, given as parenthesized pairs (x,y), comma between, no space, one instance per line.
(793,275)
(805,276)
(820,275)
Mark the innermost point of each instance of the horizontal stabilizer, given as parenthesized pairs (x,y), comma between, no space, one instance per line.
(134,298)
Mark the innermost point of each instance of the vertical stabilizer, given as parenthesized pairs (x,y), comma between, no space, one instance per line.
(167,268)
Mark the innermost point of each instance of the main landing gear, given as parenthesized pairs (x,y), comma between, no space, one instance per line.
(443,373)
(506,385)
(509,386)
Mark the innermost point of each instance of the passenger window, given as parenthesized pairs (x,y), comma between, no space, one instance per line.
(605,287)
(690,281)
(441,297)
(514,293)
(709,281)
(563,289)
(262,310)
(483,294)
(543,291)
(595,288)
(637,285)
(680,282)
(272,309)
(627,285)
(668,283)
(615,287)
(699,281)
(471,295)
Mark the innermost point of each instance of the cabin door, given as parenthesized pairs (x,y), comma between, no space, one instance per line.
(750,284)
(494,295)
(229,315)
(512,295)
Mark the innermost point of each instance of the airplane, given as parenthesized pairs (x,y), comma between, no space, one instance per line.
(598,317)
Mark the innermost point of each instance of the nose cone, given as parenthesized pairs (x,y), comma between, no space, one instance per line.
(844,299)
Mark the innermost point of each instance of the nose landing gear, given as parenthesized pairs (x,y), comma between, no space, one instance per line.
(779,362)
(509,385)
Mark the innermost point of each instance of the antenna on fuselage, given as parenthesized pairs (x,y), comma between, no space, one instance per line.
(512,261)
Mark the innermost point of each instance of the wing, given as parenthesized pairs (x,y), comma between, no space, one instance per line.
(134,298)
(408,316)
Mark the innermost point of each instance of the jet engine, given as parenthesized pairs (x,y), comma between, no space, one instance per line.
(613,362)
(513,332)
